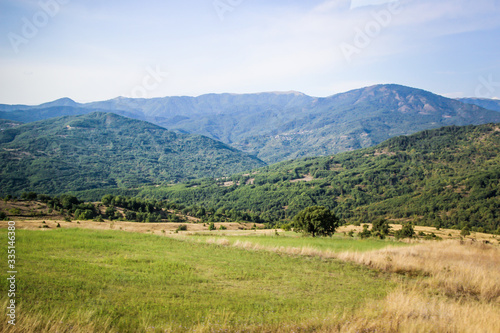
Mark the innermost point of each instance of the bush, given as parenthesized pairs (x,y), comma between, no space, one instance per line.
(211,226)
(182,227)
(221,227)
(465,231)
(406,232)
(365,233)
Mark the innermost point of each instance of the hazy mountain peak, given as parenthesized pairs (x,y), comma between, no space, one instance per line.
(65,101)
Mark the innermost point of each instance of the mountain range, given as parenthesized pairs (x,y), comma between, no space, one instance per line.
(287,125)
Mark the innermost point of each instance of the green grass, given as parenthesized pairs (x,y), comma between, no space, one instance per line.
(336,243)
(130,282)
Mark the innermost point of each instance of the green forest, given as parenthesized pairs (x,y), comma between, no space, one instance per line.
(447,177)
(104,150)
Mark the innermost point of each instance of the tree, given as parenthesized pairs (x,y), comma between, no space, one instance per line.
(30,196)
(380,228)
(465,231)
(316,220)
(365,233)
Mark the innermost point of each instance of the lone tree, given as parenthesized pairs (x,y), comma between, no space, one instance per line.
(380,228)
(316,220)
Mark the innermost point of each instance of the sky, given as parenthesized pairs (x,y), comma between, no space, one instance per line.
(94,50)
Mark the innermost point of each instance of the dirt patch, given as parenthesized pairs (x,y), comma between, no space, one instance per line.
(307,178)
(154,228)
(443,233)
(383,152)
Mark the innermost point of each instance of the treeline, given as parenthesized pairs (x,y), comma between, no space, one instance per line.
(111,207)
(133,209)
(67,205)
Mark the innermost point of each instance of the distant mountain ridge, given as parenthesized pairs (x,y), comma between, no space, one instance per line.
(490,104)
(288,125)
(102,150)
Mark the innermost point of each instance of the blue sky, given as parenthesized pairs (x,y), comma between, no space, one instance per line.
(96,50)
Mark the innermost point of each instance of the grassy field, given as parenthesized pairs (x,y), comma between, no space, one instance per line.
(150,279)
(91,281)
(291,240)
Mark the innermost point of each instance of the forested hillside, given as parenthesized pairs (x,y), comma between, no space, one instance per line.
(102,150)
(445,177)
(6,124)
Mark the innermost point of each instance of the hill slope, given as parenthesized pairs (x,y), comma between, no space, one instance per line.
(43,113)
(101,150)
(283,126)
(445,177)
(6,124)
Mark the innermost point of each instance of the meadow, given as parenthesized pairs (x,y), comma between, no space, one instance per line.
(294,242)
(76,280)
(88,280)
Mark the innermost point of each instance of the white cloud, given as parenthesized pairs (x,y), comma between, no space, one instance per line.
(363,3)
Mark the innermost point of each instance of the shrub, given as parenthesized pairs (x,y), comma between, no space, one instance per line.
(406,232)
(211,226)
(182,227)
(365,233)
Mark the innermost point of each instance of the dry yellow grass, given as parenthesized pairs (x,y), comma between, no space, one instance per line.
(455,287)
(27,322)
(410,311)
(443,233)
(459,268)
(155,228)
